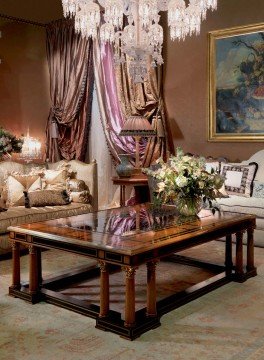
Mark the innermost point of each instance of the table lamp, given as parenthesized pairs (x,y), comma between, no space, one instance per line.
(137,126)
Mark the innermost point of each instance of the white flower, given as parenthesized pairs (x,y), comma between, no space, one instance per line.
(201,184)
(181,181)
(161,186)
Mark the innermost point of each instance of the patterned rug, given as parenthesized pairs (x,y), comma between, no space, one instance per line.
(227,323)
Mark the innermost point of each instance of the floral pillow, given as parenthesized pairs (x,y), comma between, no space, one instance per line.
(258,189)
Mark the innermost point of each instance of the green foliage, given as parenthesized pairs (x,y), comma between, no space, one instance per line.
(9,143)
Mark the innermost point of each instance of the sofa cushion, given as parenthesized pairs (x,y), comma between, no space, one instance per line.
(239,178)
(243,205)
(55,179)
(19,214)
(46,198)
(258,189)
(80,197)
(16,184)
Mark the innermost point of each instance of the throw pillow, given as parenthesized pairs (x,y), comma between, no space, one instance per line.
(80,197)
(55,179)
(76,185)
(258,189)
(239,178)
(17,184)
(46,198)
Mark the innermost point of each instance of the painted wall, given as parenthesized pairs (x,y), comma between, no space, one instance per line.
(24,79)
(185,84)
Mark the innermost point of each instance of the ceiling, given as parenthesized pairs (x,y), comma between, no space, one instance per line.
(42,11)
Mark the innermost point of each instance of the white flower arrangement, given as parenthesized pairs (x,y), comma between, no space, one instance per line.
(185,176)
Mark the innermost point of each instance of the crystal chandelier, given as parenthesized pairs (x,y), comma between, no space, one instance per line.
(31,148)
(142,36)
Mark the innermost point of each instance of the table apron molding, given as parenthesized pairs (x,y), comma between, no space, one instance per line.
(118,258)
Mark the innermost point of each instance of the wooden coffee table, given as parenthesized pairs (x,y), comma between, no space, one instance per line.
(123,239)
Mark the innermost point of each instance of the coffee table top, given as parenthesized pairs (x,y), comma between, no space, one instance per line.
(133,230)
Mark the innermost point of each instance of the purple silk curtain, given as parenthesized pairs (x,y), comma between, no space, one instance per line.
(70,60)
(110,109)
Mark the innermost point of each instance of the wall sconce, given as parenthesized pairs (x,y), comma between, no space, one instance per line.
(31,148)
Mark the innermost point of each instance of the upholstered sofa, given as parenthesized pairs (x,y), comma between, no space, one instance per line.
(253,204)
(19,214)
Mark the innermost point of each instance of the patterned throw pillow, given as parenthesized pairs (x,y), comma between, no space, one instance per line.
(55,179)
(239,178)
(17,184)
(80,197)
(46,198)
(76,185)
(258,189)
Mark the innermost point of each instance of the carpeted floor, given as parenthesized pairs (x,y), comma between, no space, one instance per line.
(227,323)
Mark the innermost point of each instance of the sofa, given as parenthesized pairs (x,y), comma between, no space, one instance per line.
(20,214)
(250,205)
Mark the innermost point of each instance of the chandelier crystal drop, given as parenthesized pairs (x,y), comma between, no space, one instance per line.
(143,36)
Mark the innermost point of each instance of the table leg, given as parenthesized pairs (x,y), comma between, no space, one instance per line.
(250,250)
(130,313)
(39,262)
(239,255)
(122,195)
(16,265)
(228,255)
(104,289)
(33,270)
(151,289)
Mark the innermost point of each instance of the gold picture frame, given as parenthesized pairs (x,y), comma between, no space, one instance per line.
(236,84)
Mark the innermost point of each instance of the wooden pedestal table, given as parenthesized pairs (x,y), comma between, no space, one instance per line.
(140,183)
(156,236)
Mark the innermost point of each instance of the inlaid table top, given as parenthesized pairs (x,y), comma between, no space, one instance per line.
(132,230)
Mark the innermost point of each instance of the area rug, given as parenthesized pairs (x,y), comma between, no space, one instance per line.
(227,323)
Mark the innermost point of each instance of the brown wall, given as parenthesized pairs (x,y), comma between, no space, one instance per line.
(24,79)
(185,87)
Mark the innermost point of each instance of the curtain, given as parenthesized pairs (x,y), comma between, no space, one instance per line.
(70,62)
(109,104)
(146,99)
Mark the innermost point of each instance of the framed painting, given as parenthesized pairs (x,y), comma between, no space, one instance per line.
(236,84)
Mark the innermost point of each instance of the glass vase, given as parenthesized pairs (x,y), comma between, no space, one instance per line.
(189,206)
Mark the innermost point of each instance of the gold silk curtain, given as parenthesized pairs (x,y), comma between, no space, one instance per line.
(70,60)
(146,99)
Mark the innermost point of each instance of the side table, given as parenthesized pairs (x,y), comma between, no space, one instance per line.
(140,183)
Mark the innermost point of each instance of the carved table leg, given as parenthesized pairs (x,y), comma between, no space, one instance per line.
(130,296)
(250,251)
(33,270)
(239,255)
(122,195)
(39,266)
(16,265)
(228,255)
(104,289)
(151,289)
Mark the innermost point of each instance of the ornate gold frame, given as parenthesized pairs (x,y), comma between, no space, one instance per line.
(213,36)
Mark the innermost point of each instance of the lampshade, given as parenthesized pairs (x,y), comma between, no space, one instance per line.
(137,126)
